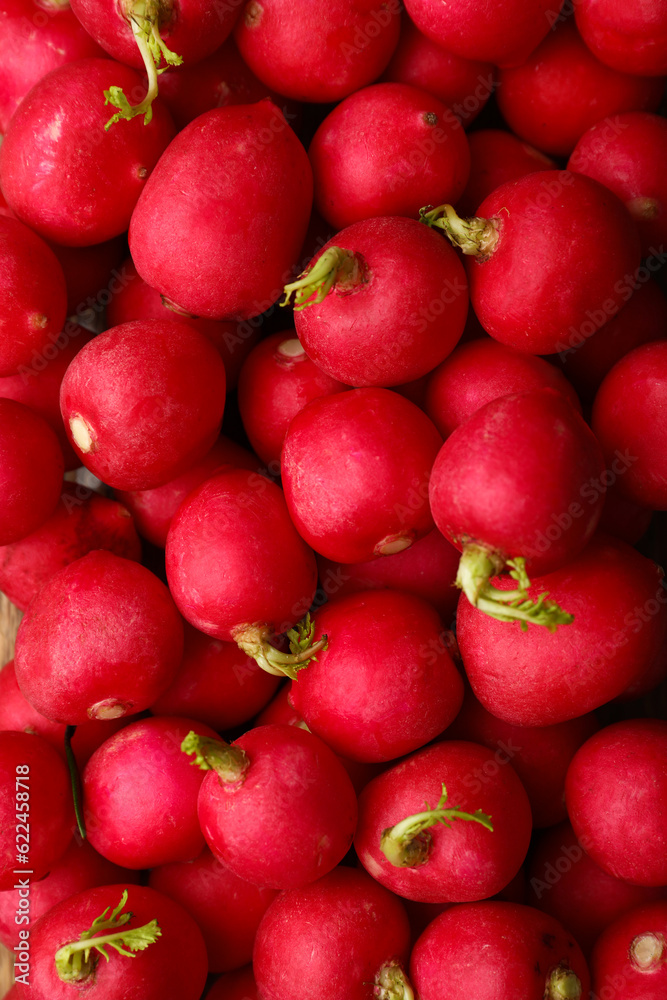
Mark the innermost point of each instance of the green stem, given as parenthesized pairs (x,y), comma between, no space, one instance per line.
(342,268)
(230,763)
(476,237)
(75,781)
(76,961)
(562,984)
(254,641)
(476,568)
(391,983)
(407,845)
(144,17)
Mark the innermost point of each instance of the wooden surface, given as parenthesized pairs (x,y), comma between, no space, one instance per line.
(10,617)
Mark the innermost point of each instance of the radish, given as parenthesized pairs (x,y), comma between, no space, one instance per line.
(355,469)
(554,251)
(632,39)
(36,38)
(464,85)
(136,774)
(616,795)
(93,274)
(277,380)
(503,34)
(561,90)
(81,522)
(386,150)
(216,683)
(429,830)
(426,569)
(386,683)
(127,385)
(36,817)
(199,886)
(61,173)
(31,471)
(505,499)
(152,947)
(619,626)
(491,950)
(274,789)
(636,144)
(495,158)
(631,951)
(260,189)
(237,568)
(383,303)
(629,400)
(322,52)
(142,33)
(344,936)
(566,883)
(101,640)
(480,371)
(238,985)
(32,286)
(154,509)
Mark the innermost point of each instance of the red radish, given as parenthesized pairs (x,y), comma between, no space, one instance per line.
(567,884)
(355,470)
(17,713)
(66,177)
(136,775)
(631,951)
(277,380)
(619,626)
(278,808)
(590,353)
(553,250)
(344,935)
(322,52)
(426,569)
(200,886)
(561,90)
(36,38)
(483,370)
(93,275)
(137,300)
(154,509)
(101,639)
(495,158)
(34,299)
(144,34)
(622,518)
(429,830)
(37,383)
(280,711)
(540,755)
(386,683)
(31,471)
(616,795)
(236,566)
(81,522)
(244,226)
(237,985)
(128,386)
(387,150)
(153,948)
(503,34)
(632,39)
(629,400)
(79,868)
(490,950)
(383,303)
(36,816)
(501,494)
(220,80)
(631,146)
(464,85)
(216,683)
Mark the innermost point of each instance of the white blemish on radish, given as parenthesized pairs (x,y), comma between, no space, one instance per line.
(81,432)
(291,348)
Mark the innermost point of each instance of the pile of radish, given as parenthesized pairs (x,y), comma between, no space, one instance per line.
(333,463)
